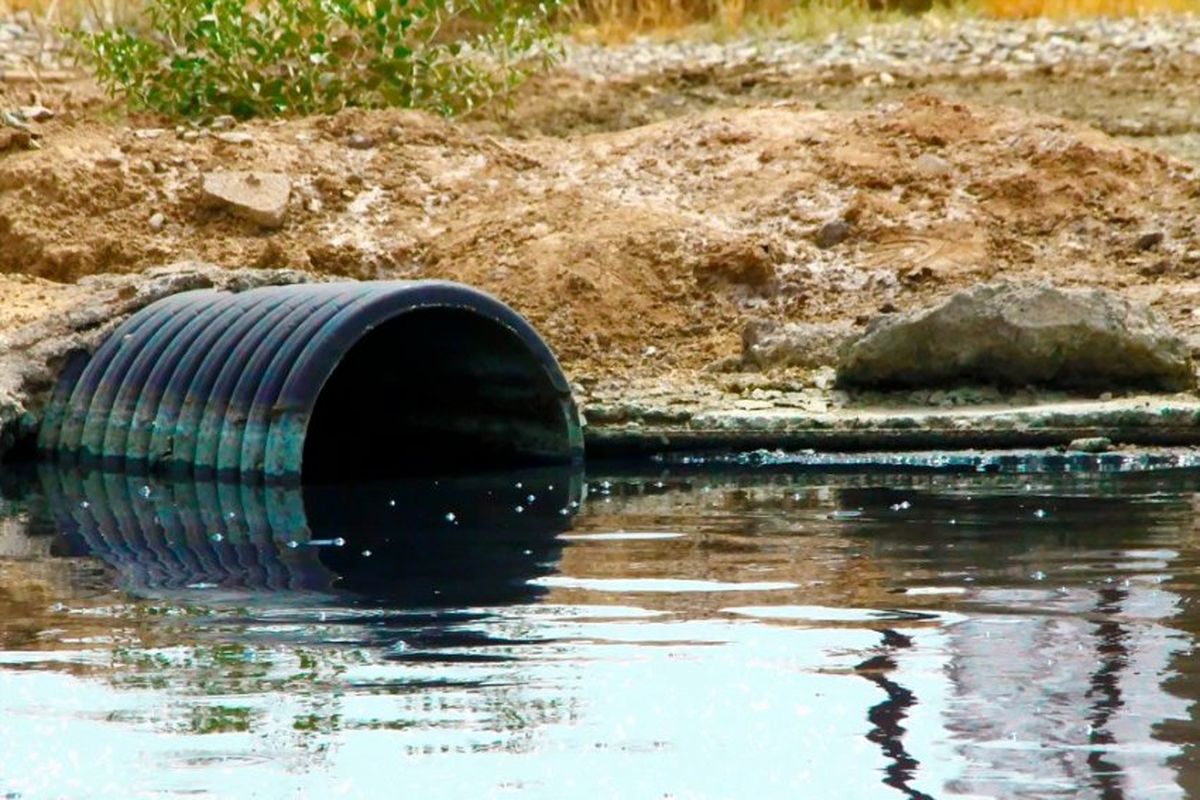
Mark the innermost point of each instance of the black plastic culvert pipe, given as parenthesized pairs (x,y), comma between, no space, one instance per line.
(323,381)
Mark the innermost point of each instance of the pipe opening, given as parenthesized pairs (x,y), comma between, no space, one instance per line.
(436,390)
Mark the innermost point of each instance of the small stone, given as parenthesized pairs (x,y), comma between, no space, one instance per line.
(887,79)
(148,133)
(157,221)
(932,165)
(1091,444)
(192,136)
(235,137)
(360,141)
(260,197)
(832,234)
(114,159)
(223,123)
(36,113)
(1149,241)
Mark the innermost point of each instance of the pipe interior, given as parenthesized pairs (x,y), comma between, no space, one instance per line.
(437,389)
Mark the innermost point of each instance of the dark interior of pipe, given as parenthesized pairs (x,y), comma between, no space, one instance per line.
(435,390)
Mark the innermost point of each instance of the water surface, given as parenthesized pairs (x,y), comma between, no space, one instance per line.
(743,627)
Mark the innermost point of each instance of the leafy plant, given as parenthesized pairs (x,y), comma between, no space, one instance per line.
(199,58)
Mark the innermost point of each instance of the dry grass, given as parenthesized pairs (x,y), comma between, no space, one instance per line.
(1086,8)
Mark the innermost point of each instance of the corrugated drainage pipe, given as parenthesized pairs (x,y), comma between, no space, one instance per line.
(324,381)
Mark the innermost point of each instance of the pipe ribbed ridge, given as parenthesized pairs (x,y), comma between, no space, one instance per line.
(212,383)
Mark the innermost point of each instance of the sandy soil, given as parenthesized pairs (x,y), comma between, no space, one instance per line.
(641,223)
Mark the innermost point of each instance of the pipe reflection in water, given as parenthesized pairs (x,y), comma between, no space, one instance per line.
(404,543)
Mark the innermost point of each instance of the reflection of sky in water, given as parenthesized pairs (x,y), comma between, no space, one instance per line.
(767,647)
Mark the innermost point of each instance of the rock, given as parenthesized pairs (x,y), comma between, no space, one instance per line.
(36,113)
(14,139)
(234,137)
(360,141)
(1091,444)
(157,221)
(260,197)
(766,343)
(932,165)
(224,122)
(1149,241)
(1021,334)
(832,234)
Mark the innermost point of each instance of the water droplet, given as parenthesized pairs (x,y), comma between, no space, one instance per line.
(293,544)
(451,516)
(232,515)
(564,511)
(392,503)
(1040,513)
(84,504)
(216,537)
(1038,576)
(339,542)
(519,509)
(366,553)
(144,491)
(527,552)
(520,485)
(573,504)
(550,488)
(529,499)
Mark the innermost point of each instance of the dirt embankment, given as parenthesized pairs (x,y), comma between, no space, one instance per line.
(639,252)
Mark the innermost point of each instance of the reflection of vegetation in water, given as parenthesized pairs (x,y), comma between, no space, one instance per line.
(220,719)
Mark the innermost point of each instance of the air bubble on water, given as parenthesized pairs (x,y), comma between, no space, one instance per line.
(392,503)
(659,484)
(953,522)
(232,515)
(519,509)
(1040,513)
(574,504)
(1038,576)
(564,511)
(520,485)
(529,499)
(144,491)
(216,537)
(366,553)
(451,516)
(605,484)
(339,542)
(293,544)
(527,552)
(84,504)
(550,488)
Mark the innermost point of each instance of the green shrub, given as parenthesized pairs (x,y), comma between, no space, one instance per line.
(199,58)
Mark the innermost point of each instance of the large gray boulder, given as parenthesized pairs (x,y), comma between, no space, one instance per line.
(1021,334)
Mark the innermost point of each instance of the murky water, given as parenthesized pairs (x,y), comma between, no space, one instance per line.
(749,629)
